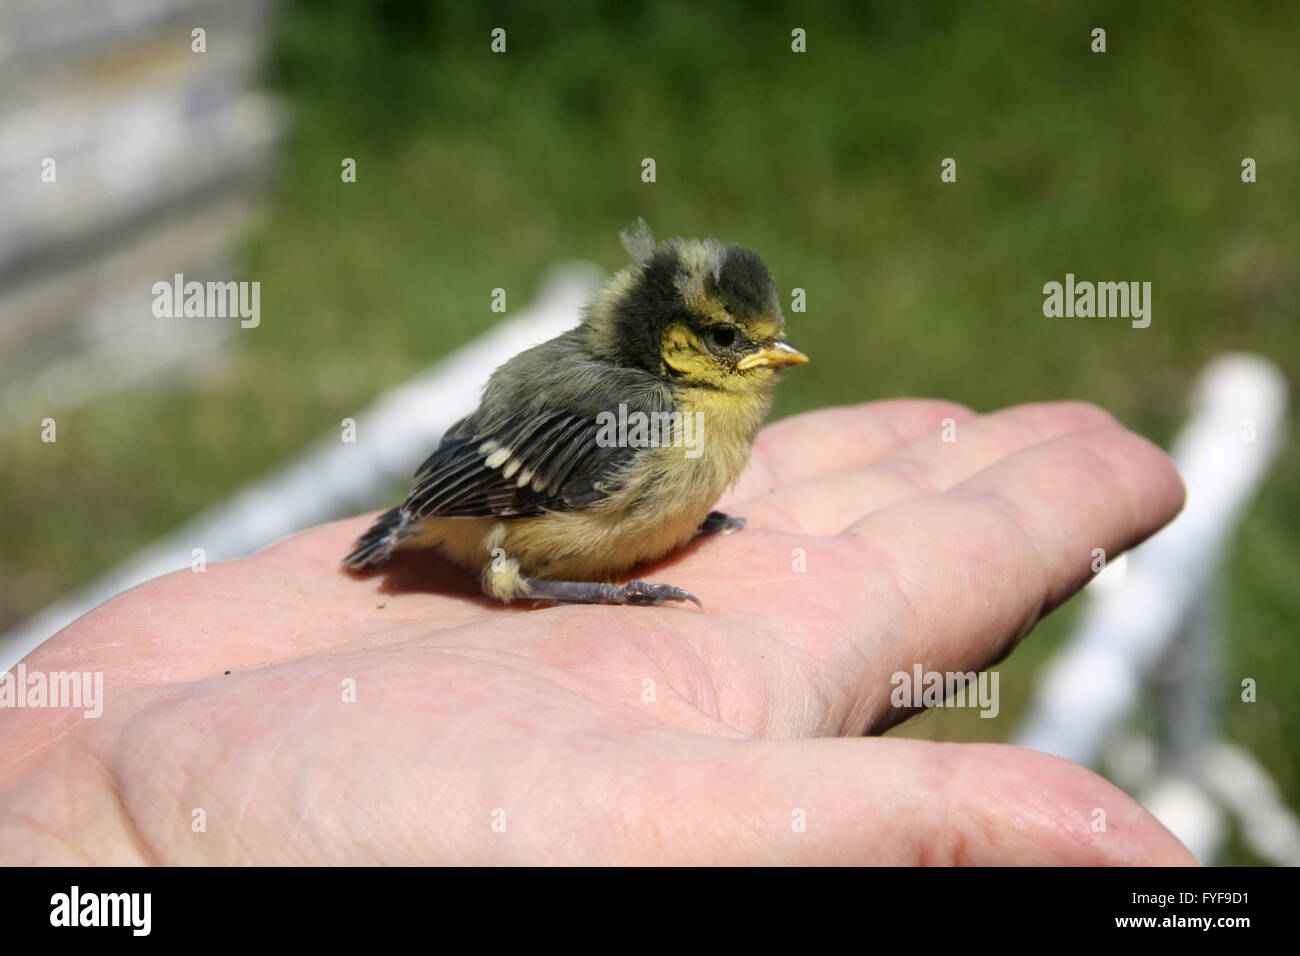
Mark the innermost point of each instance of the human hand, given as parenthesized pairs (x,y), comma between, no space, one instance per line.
(469,713)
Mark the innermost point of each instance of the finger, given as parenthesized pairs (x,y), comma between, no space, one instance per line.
(962,576)
(834,438)
(934,462)
(900,802)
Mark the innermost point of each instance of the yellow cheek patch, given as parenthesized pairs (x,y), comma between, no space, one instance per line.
(683,351)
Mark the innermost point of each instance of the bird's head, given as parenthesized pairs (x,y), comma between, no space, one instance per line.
(694,312)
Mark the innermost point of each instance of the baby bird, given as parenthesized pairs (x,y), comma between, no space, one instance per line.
(606,447)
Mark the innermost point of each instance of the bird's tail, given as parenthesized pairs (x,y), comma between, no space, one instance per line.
(375,546)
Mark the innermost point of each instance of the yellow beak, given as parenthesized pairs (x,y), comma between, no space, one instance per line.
(776,355)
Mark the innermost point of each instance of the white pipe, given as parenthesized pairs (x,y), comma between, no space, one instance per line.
(1237,427)
(1268,827)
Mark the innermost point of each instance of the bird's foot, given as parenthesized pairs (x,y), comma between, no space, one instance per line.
(717,521)
(636,593)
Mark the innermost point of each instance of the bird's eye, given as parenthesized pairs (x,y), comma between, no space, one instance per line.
(720,337)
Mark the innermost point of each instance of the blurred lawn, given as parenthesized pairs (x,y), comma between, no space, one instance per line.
(477,171)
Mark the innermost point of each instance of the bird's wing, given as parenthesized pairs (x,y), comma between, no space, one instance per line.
(524,466)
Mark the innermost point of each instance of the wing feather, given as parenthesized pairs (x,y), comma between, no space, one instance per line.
(527,468)
(536,458)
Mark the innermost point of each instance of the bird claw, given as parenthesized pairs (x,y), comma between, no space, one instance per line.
(640,594)
(716,522)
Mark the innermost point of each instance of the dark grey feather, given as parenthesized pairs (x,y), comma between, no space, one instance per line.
(541,407)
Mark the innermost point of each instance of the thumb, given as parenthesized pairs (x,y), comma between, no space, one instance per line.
(906,802)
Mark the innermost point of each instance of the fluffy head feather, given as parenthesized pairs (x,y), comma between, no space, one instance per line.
(690,311)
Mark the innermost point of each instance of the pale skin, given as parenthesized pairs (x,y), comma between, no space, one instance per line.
(467,712)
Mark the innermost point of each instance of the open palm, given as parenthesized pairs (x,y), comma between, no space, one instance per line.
(277,709)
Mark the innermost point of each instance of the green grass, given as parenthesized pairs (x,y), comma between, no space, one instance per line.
(476,171)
